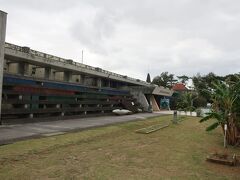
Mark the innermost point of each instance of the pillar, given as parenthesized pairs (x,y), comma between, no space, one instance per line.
(47,73)
(67,76)
(82,79)
(99,82)
(23,68)
(3,22)
(153,101)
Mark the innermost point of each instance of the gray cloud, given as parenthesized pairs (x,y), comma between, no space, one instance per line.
(94,33)
(133,37)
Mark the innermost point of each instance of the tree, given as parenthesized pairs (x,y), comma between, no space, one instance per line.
(231,77)
(171,80)
(204,84)
(226,109)
(185,101)
(165,80)
(199,102)
(183,79)
(148,78)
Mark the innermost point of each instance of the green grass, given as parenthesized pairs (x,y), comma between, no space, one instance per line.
(117,152)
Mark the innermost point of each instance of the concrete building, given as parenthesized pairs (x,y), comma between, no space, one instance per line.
(37,84)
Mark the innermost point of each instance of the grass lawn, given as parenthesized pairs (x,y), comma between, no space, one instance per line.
(117,152)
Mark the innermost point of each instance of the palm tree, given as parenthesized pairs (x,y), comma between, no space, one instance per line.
(225,109)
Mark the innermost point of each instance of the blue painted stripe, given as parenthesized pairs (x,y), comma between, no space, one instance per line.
(26,81)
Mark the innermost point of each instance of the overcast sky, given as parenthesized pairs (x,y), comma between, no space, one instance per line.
(132,37)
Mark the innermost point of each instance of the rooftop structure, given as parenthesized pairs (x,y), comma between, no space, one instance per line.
(179,87)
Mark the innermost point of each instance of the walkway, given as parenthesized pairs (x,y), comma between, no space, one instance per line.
(12,133)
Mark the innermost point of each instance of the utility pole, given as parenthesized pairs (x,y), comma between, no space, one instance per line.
(3,22)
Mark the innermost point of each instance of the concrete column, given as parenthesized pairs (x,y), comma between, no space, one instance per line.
(93,81)
(67,76)
(20,68)
(3,22)
(154,103)
(99,82)
(23,68)
(26,69)
(82,79)
(47,73)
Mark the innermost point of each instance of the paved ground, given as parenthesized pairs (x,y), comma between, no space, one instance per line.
(12,133)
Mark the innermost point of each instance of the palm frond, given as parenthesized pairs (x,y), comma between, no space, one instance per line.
(213,126)
(212,115)
(205,118)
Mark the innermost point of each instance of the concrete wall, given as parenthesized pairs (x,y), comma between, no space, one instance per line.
(3,22)
(19,68)
(90,81)
(58,76)
(36,72)
(139,95)
(141,98)
(76,78)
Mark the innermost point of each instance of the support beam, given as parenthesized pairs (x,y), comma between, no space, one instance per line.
(3,22)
